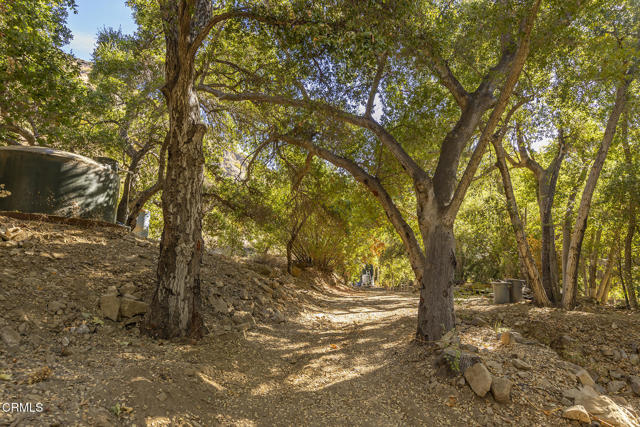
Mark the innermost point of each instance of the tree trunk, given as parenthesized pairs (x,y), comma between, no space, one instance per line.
(605,285)
(571,275)
(540,295)
(593,263)
(175,306)
(549,260)
(566,226)
(631,224)
(435,311)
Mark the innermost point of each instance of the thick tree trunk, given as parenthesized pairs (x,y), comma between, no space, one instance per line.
(571,274)
(549,259)
(435,311)
(174,309)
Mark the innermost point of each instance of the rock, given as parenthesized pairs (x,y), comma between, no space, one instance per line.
(55,306)
(623,354)
(494,367)
(162,396)
(112,290)
(479,379)
(585,378)
(521,364)
(457,361)
(501,389)
(614,326)
(219,304)
(615,386)
(128,288)
(244,294)
(571,393)
(616,355)
(507,338)
(606,351)
(241,317)
(635,384)
(578,413)
(130,307)
(469,347)
(110,306)
(615,374)
(23,328)
(9,336)
(605,408)
(278,316)
(295,271)
(82,329)
(461,382)
(634,359)
(479,321)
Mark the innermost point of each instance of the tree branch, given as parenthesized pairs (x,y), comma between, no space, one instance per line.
(375,187)
(382,59)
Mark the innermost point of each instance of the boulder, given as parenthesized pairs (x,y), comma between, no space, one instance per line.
(578,413)
(479,379)
(9,336)
(131,307)
(501,389)
(585,378)
(605,408)
(110,306)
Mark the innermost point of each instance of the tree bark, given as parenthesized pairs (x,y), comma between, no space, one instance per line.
(435,310)
(175,307)
(631,213)
(568,216)
(594,257)
(569,286)
(605,285)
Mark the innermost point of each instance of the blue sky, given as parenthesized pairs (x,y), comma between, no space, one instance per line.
(91,17)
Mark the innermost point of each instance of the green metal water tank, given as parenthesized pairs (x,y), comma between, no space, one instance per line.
(54,182)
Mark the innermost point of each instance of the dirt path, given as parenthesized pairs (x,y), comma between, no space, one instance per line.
(347,361)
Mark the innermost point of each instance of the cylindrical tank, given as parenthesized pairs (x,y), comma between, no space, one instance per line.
(515,291)
(54,182)
(501,292)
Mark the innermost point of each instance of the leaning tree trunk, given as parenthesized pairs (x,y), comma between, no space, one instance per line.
(603,290)
(174,309)
(540,295)
(570,277)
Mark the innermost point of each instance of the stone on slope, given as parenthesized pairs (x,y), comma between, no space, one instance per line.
(110,306)
(585,378)
(521,364)
(501,389)
(9,336)
(130,307)
(479,379)
(578,413)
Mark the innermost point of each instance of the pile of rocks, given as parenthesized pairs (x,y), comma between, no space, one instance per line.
(457,358)
(124,303)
